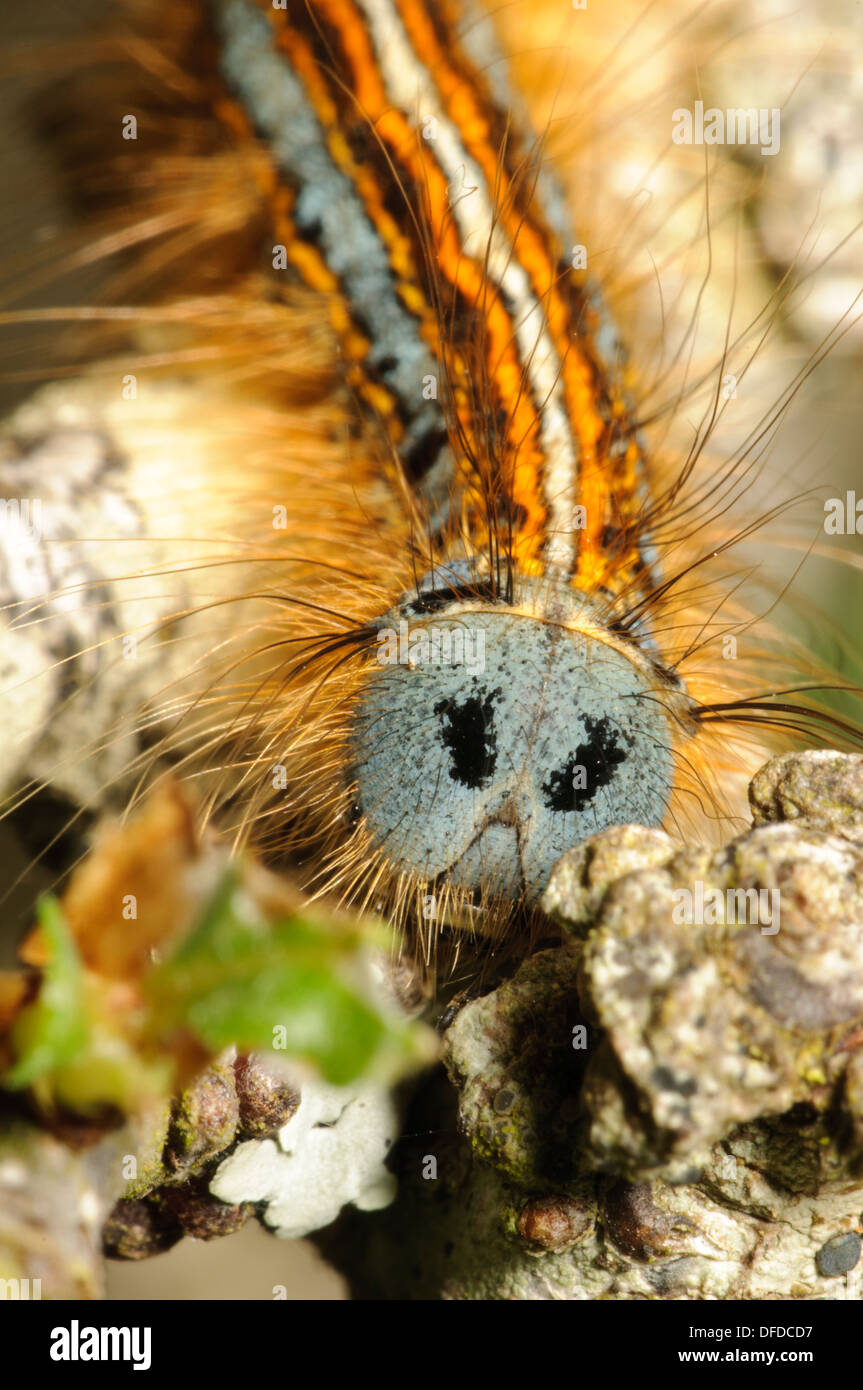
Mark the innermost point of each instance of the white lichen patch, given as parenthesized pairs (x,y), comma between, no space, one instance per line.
(331,1153)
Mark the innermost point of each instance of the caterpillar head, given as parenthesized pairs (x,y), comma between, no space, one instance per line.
(494,736)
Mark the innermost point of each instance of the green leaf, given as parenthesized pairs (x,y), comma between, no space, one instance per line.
(298,985)
(301,986)
(53,1030)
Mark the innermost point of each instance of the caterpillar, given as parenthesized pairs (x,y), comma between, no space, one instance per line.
(425,595)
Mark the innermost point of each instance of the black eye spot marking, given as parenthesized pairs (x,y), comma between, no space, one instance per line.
(599,757)
(468,732)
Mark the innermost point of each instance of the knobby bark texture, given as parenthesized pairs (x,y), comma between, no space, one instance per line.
(659,1108)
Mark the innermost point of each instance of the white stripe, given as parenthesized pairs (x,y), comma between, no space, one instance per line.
(411,88)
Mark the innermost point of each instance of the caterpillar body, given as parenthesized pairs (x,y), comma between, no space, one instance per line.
(449,606)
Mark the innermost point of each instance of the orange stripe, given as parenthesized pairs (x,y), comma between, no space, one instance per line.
(464,107)
(312,267)
(459,270)
(399,248)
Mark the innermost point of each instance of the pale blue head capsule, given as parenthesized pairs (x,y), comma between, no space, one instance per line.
(493,737)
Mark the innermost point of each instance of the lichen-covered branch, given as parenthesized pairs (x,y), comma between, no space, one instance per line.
(667,1104)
